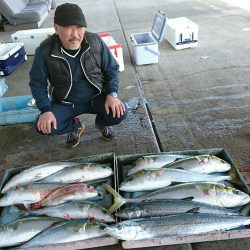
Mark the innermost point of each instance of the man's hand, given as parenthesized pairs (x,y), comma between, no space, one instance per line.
(115,105)
(45,121)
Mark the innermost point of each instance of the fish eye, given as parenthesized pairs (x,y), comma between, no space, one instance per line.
(235,191)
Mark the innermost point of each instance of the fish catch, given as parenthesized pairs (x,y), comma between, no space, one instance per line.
(64,232)
(27,194)
(206,192)
(174,225)
(168,207)
(204,164)
(71,192)
(24,229)
(73,211)
(147,180)
(36,173)
(153,162)
(81,173)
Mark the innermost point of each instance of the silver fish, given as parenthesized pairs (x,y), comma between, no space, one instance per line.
(75,210)
(35,173)
(204,164)
(27,194)
(80,173)
(168,207)
(174,225)
(153,162)
(71,192)
(23,230)
(64,232)
(206,192)
(146,180)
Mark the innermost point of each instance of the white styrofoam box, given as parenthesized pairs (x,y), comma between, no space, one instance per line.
(145,45)
(108,39)
(115,49)
(182,33)
(32,38)
(11,56)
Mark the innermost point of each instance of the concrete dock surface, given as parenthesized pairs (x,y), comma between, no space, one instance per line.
(192,99)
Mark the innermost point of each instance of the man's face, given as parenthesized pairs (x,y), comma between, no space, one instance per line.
(70,36)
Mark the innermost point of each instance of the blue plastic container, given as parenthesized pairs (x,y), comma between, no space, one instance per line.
(14,110)
(3,87)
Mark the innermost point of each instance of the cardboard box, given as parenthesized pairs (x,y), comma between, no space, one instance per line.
(145,45)
(32,38)
(182,33)
(15,110)
(11,56)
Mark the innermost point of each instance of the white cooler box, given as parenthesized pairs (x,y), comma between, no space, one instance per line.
(32,38)
(115,49)
(145,45)
(182,33)
(11,56)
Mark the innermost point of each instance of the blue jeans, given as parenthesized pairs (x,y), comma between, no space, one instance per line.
(65,115)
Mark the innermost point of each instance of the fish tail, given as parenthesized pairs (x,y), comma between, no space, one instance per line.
(118,199)
(234,177)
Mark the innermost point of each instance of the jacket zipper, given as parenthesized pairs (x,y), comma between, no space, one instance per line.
(88,78)
(71,81)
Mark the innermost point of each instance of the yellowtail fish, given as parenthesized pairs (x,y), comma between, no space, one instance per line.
(24,229)
(69,231)
(147,180)
(204,164)
(80,173)
(153,162)
(35,173)
(206,192)
(27,194)
(75,210)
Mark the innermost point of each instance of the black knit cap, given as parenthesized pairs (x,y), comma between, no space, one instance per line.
(69,14)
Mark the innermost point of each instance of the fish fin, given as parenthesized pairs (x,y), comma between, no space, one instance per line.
(193,210)
(245,210)
(179,168)
(97,183)
(175,183)
(190,198)
(234,177)
(38,176)
(118,199)
(159,171)
(21,213)
(77,180)
(102,225)
(199,159)
(27,205)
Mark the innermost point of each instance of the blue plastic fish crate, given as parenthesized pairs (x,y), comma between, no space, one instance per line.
(14,110)
(3,87)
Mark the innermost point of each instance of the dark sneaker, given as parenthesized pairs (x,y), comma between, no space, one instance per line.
(74,138)
(107,133)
